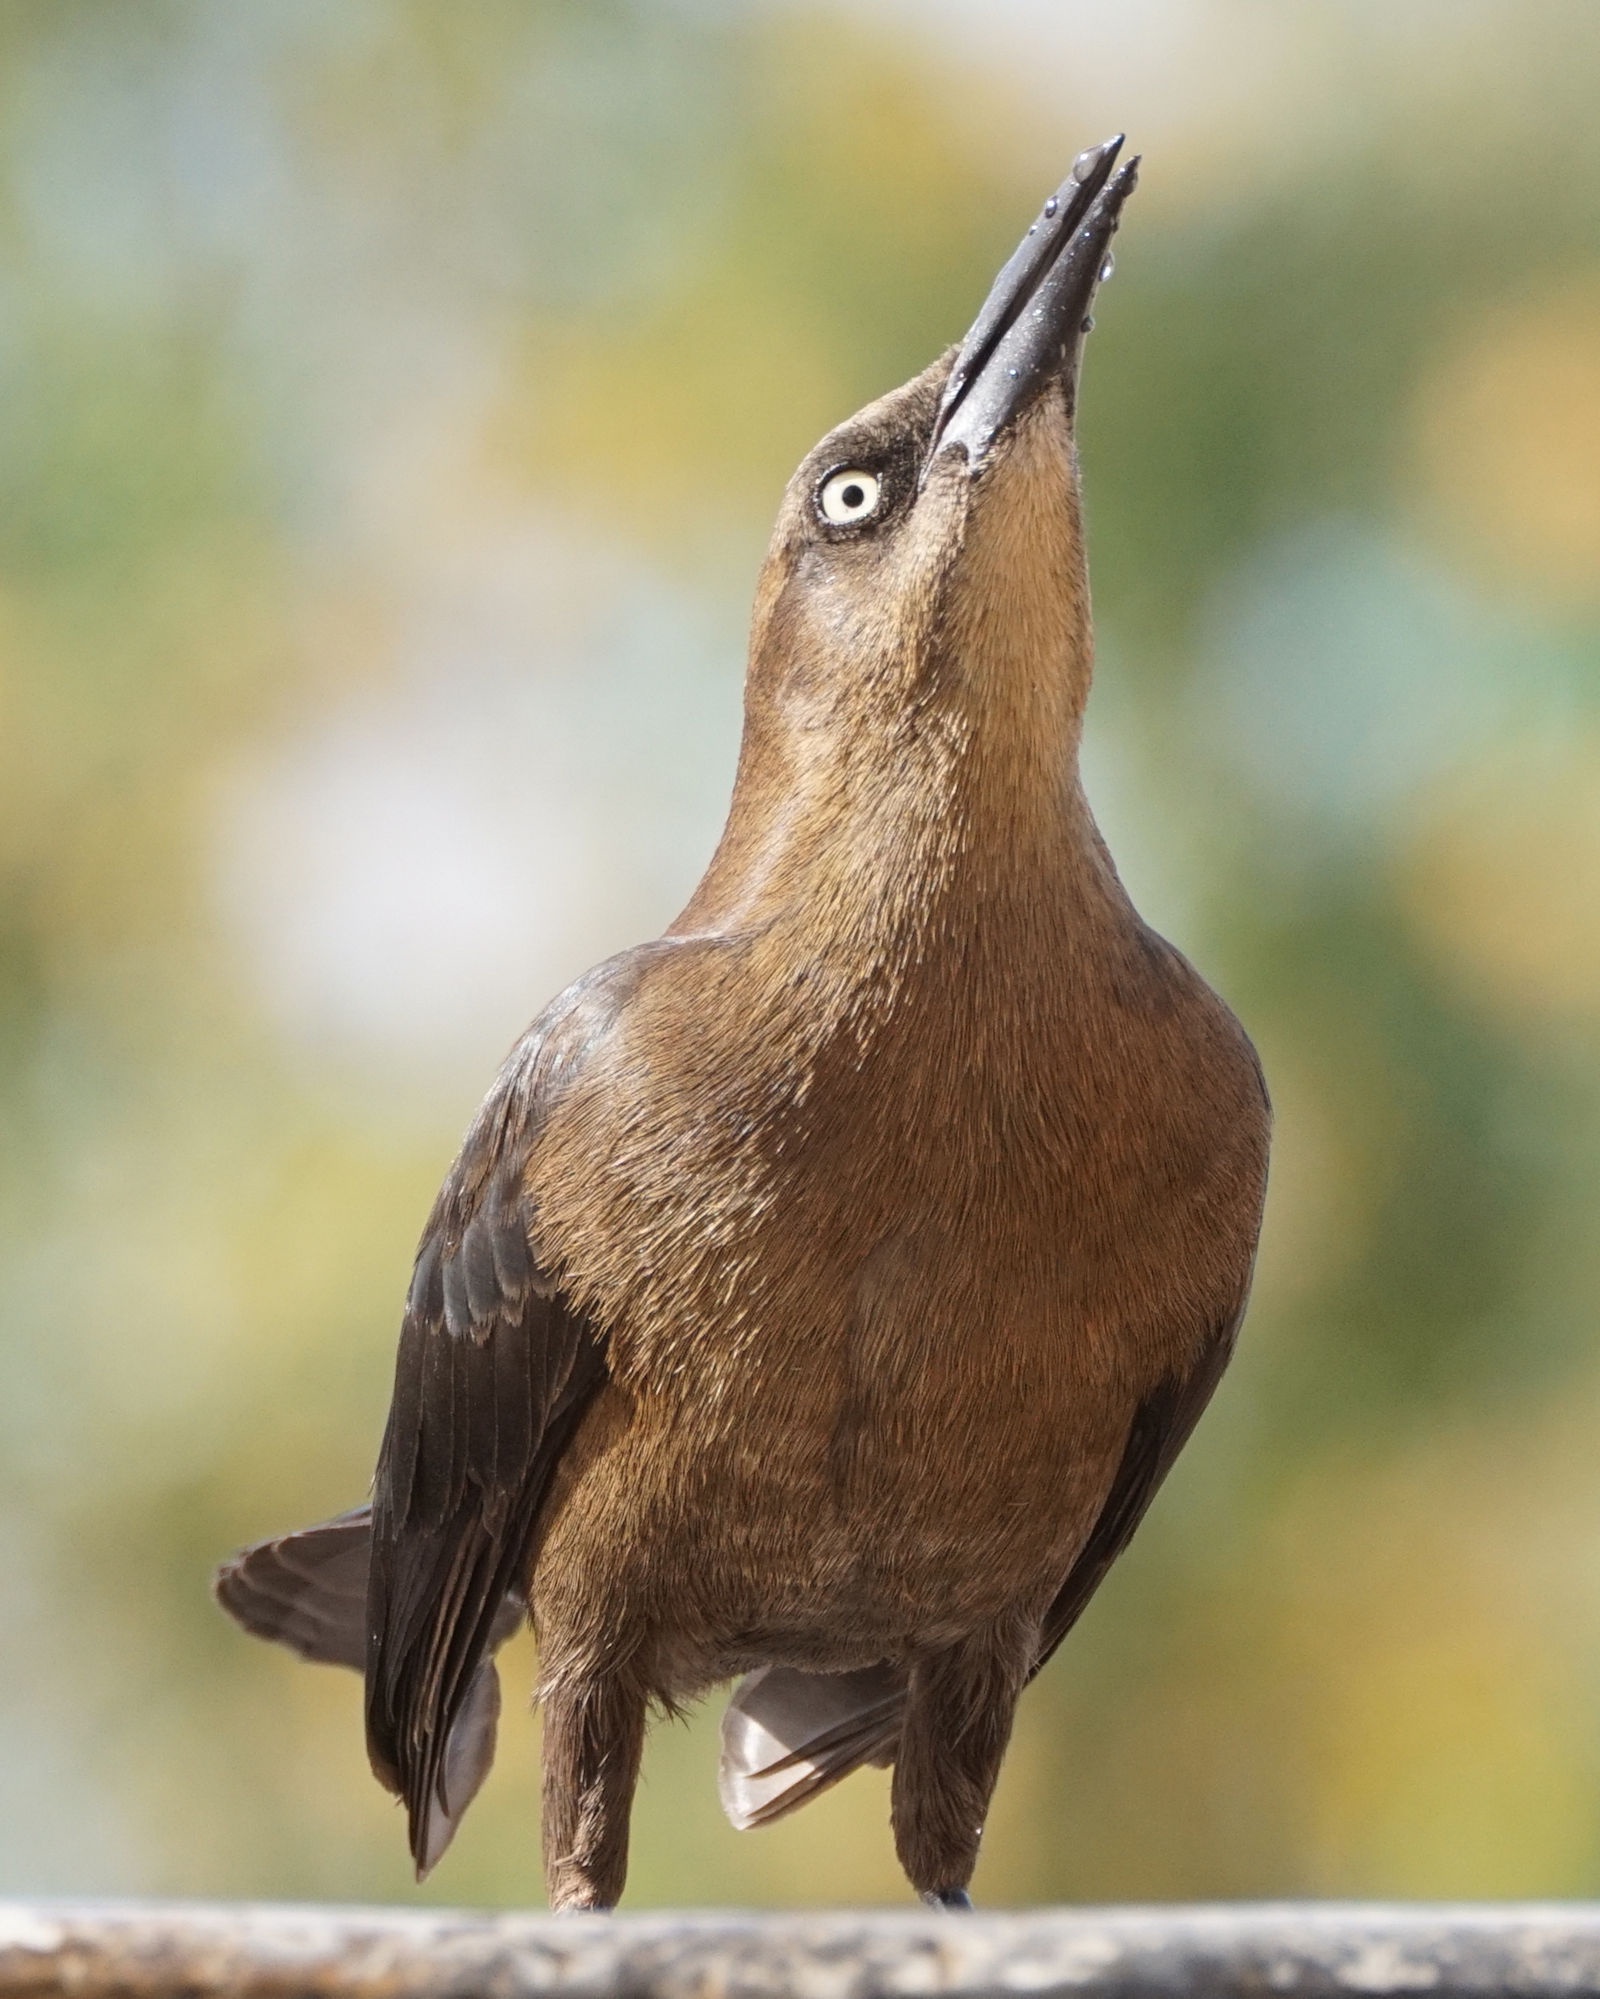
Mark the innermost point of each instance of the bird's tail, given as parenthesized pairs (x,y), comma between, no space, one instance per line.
(788,1735)
(308,1591)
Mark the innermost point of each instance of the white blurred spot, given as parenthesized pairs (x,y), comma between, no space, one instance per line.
(1156,68)
(412,875)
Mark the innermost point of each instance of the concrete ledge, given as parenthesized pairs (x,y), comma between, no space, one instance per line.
(260,1951)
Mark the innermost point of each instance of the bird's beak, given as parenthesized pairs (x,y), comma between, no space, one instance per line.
(1030,331)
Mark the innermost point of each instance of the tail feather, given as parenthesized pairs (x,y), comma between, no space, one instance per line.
(308,1591)
(788,1735)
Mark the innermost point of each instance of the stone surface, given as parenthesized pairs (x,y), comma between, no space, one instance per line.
(261,1951)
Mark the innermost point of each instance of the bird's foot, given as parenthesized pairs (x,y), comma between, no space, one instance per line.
(948,1898)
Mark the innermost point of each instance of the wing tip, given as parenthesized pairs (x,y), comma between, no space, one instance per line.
(448,1778)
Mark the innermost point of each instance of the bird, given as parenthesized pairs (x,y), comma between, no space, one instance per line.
(824,1288)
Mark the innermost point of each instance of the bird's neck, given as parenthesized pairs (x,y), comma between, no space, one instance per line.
(951,815)
(913,771)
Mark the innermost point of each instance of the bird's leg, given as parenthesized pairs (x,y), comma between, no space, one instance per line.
(593,1739)
(959,1709)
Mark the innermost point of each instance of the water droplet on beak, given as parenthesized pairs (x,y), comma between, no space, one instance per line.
(1050,208)
(1085,163)
(1108,268)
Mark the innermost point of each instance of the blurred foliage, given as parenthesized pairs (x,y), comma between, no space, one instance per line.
(393,401)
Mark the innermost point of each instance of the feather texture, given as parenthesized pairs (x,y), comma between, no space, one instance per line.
(788,1735)
(306,1590)
(495,1369)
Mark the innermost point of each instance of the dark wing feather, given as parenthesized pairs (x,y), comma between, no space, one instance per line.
(1162,1425)
(493,1375)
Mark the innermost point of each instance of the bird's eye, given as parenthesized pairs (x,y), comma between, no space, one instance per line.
(849,496)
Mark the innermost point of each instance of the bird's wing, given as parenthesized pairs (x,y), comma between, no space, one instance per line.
(308,1591)
(1161,1426)
(494,1373)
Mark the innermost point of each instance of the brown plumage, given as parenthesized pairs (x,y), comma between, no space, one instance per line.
(824,1289)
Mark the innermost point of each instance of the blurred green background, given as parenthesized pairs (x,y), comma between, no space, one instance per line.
(394,400)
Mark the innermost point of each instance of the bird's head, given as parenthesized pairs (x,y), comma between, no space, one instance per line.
(925,594)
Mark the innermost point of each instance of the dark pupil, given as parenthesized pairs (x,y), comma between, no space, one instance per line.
(853,495)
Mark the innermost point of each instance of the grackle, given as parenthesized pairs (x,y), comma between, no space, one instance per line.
(824,1288)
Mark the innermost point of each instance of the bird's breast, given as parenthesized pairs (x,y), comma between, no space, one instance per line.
(880,1303)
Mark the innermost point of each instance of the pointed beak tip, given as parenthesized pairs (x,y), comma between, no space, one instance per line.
(1033,322)
(1097,156)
